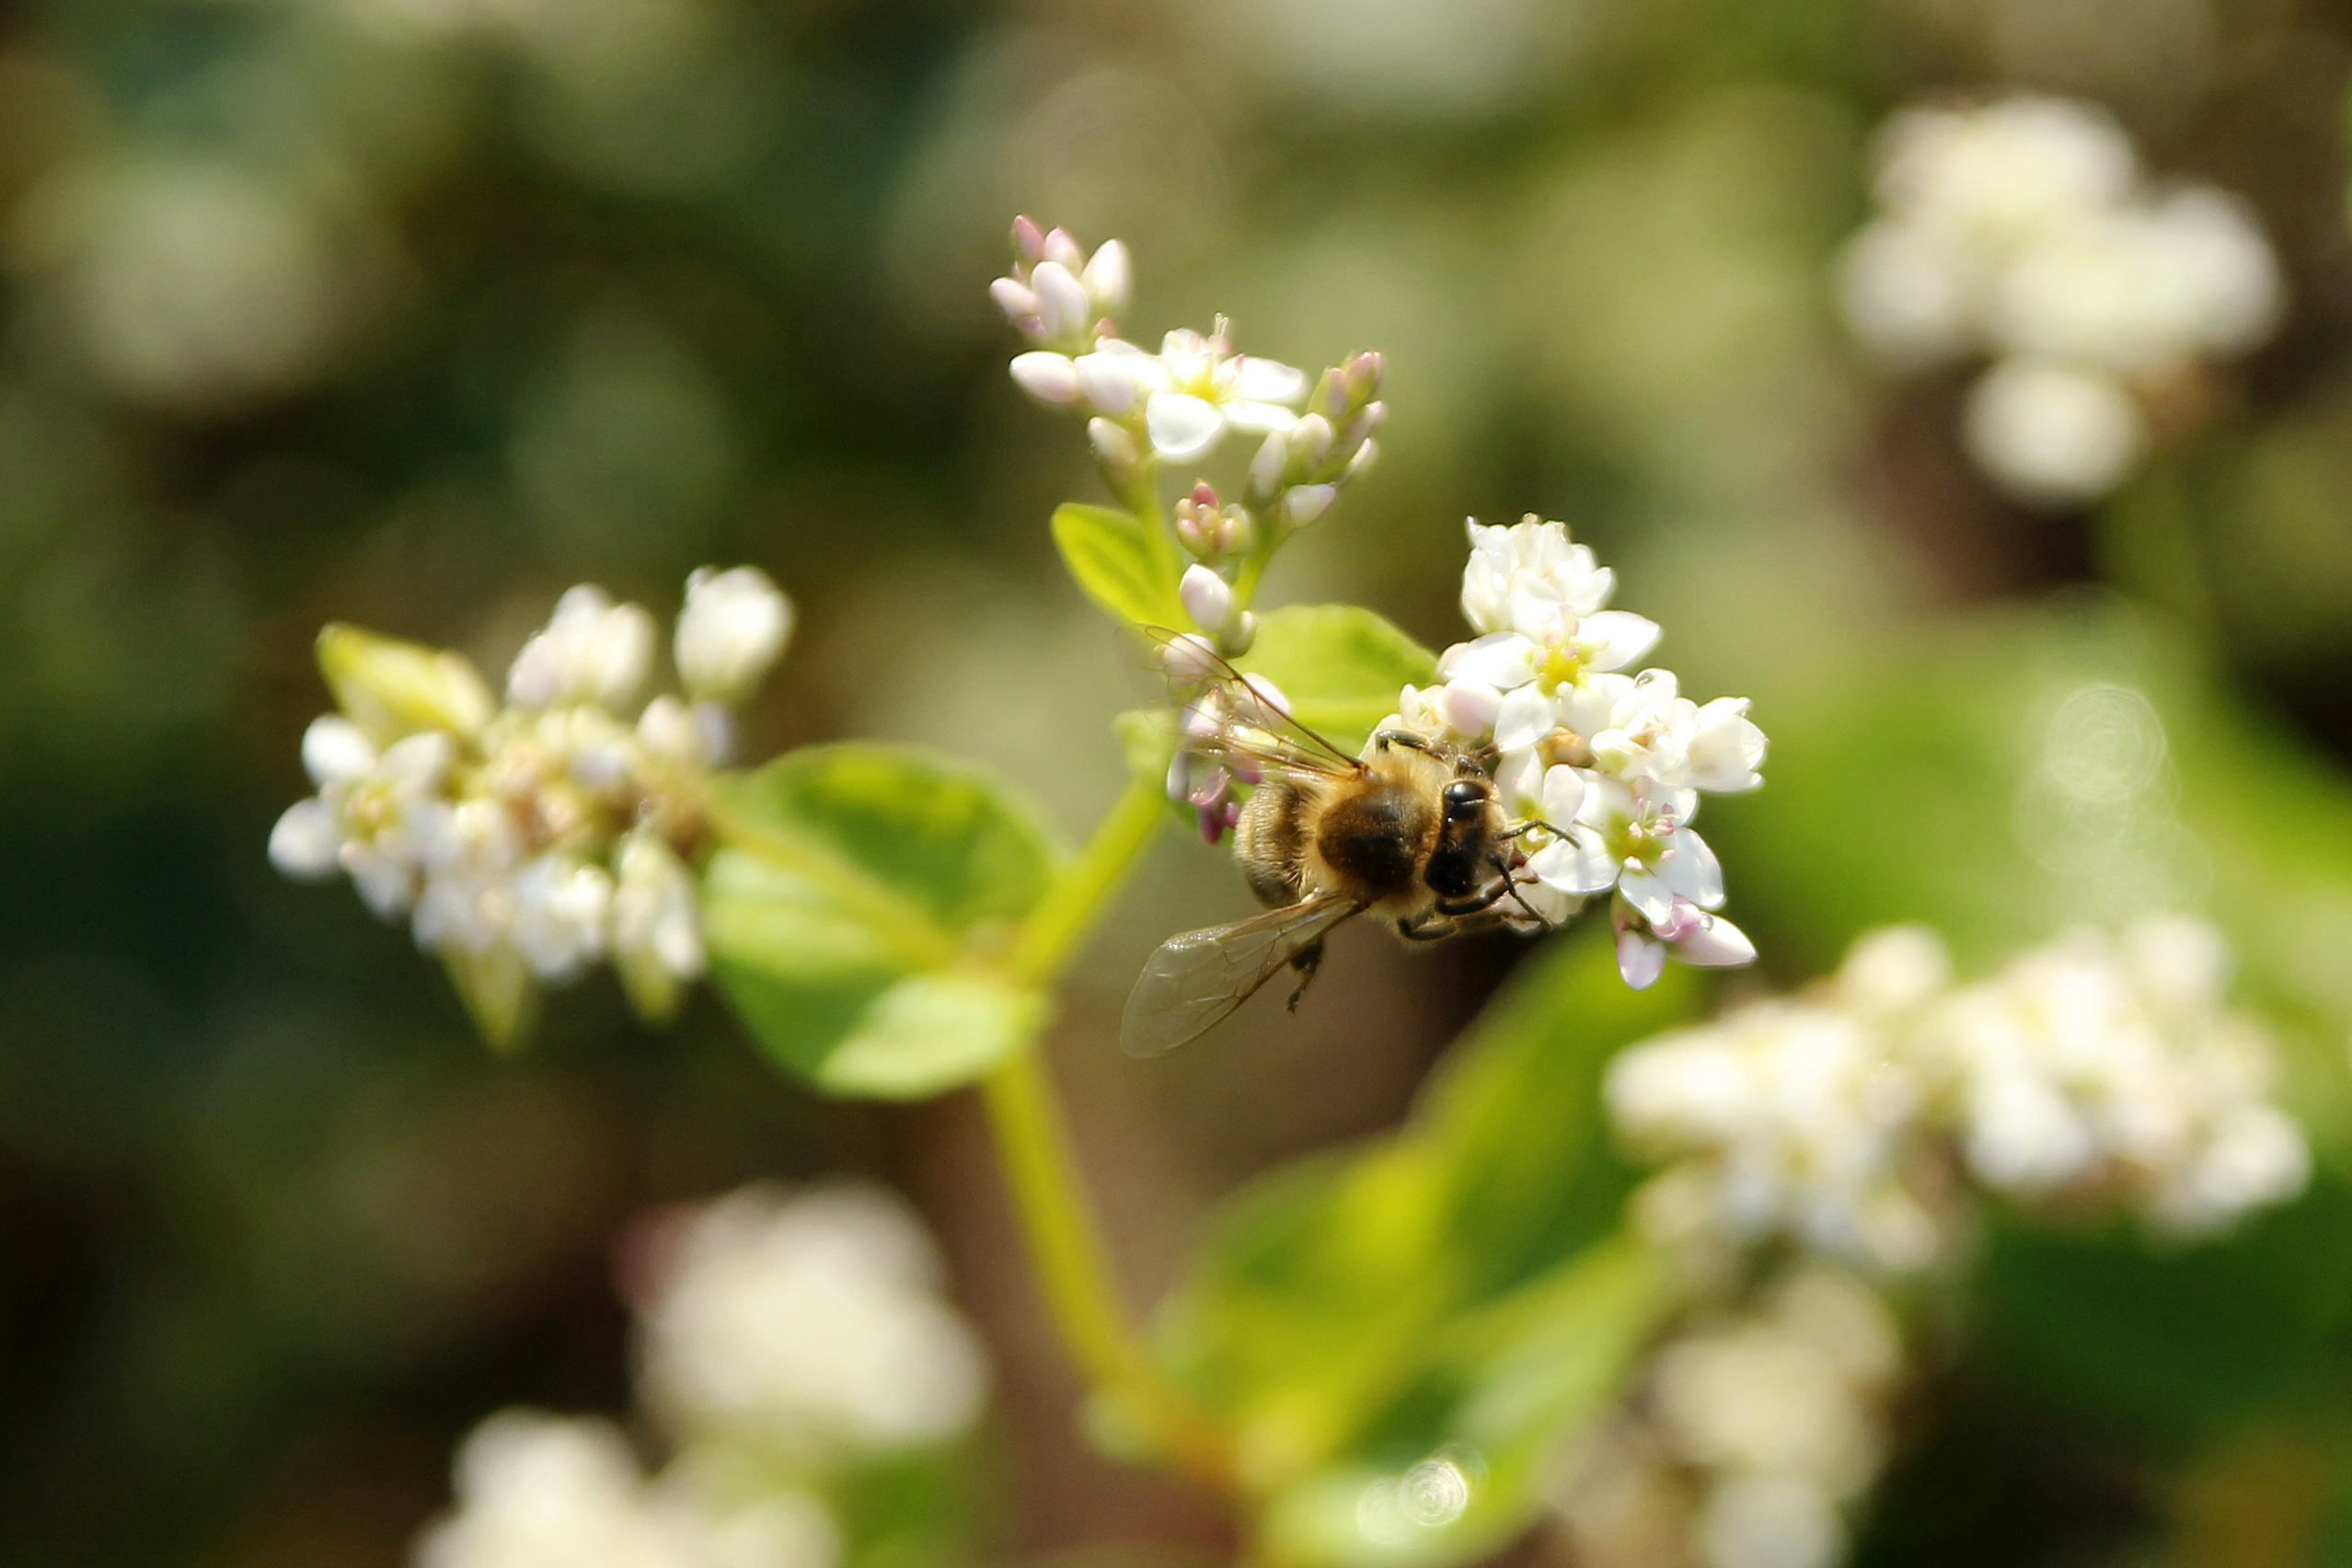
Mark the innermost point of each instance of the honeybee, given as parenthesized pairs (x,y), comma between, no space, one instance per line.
(1411,832)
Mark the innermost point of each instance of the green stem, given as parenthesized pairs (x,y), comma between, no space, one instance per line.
(1040,1170)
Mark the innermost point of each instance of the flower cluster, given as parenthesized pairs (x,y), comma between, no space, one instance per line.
(2091,1075)
(1753,1434)
(785,1342)
(526,841)
(1177,406)
(2021,230)
(1601,770)
(809,1324)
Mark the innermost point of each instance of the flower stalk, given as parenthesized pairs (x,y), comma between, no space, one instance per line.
(1040,1170)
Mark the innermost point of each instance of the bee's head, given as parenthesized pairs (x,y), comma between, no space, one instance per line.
(1466,800)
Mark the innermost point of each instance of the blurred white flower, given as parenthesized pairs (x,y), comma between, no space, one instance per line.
(732,629)
(2089,1072)
(547,836)
(2054,435)
(537,1491)
(1197,387)
(2021,230)
(593,651)
(811,1323)
(192,283)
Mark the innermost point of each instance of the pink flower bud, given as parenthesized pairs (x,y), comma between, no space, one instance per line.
(1028,241)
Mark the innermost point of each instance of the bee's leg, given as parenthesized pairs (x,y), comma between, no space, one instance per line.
(1429,928)
(1306,959)
(1511,888)
(1405,738)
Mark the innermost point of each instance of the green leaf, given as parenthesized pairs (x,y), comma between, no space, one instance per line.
(1111,554)
(857,908)
(1358,1313)
(1340,667)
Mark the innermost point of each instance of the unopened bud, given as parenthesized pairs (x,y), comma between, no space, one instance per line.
(1364,455)
(1207,597)
(1049,378)
(1114,447)
(1363,373)
(733,627)
(1330,399)
(1063,251)
(1361,427)
(1107,277)
(1266,468)
(1062,310)
(1239,637)
(1028,242)
(1016,300)
(1107,383)
(1311,441)
(1302,504)
(1188,659)
(391,689)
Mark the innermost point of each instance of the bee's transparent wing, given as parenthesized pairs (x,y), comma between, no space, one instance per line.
(1197,978)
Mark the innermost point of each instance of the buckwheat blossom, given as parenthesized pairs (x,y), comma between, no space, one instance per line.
(535,1491)
(2023,230)
(810,1324)
(527,844)
(2096,1073)
(1754,1432)
(1601,771)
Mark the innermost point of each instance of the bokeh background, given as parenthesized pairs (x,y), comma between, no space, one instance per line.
(413,312)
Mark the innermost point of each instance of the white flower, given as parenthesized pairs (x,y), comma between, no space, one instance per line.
(2054,435)
(812,1323)
(1523,574)
(1653,732)
(657,932)
(733,629)
(593,651)
(2004,169)
(540,1491)
(562,914)
(544,1492)
(1196,389)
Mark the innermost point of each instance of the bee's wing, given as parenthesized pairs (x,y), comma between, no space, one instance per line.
(1196,979)
(1279,739)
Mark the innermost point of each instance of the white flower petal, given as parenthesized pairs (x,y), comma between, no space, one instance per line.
(306,841)
(1255,416)
(1525,717)
(334,751)
(1183,427)
(1108,383)
(1267,381)
(1618,638)
(1579,863)
(1563,795)
(1063,310)
(1049,378)
(1504,659)
(1715,943)
(1692,870)
(1640,961)
(1470,707)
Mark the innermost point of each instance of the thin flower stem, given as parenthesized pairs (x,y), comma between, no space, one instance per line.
(1040,1170)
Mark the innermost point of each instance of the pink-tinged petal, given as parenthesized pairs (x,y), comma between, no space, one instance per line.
(1188,659)
(1267,381)
(1717,943)
(1302,504)
(1270,696)
(1579,863)
(1640,961)
(1503,660)
(1048,377)
(1619,637)
(1648,893)
(1692,870)
(1524,716)
(1470,707)
(1062,306)
(1183,427)
(1018,303)
(1108,382)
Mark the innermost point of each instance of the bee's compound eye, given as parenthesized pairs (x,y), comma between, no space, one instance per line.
(1464,799)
